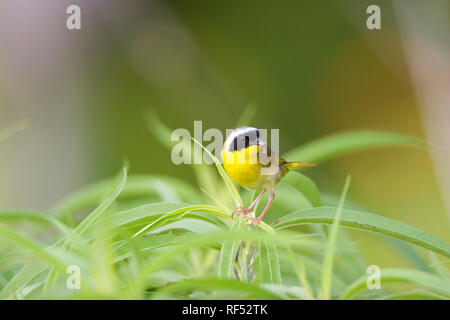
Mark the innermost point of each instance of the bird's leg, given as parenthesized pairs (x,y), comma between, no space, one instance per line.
(256,220)
(249,209)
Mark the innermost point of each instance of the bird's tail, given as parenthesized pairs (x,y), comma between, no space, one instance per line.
(298,164)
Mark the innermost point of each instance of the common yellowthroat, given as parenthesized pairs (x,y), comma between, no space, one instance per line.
(250,162)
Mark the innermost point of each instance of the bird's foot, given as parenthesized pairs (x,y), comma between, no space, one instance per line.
(241,210)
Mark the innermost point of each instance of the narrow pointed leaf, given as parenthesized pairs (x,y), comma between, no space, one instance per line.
(331,146)
(422,279)
(368,222)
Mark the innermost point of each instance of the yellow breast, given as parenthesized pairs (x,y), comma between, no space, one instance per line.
(244,168)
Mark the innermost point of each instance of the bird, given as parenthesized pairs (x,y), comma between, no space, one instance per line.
(250,162)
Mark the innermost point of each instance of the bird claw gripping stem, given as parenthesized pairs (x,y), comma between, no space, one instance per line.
(241,210)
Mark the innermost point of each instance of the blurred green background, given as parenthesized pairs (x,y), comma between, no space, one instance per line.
(310,67)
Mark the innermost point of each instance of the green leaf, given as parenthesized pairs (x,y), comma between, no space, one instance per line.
(228,253)
(159,130)
(215,200)
(208,180)
(439,267)
(406,249)
(287,292)
(269,263)
(314,269)
(255,291)
(327,267)
(305,186)
(189,224)
(231,188)
(196,240)
(12,215)
(349,262)
(410,253)
(423,279)
(417,294)
(334,145)
(75,239)
(300,271)
(22,278)
(288,200)
(101,209)
(146,244)
(205,175)
(147,214)
(142,215)
(367,222)
(44,254)
(177,214)
(166,188)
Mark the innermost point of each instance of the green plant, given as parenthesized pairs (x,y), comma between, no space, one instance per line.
(181,243)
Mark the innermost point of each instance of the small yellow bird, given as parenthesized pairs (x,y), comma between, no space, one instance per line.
(252,164)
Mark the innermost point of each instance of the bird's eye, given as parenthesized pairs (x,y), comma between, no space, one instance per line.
(247,141)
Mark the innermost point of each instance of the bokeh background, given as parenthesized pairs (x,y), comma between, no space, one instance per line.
(310,67)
